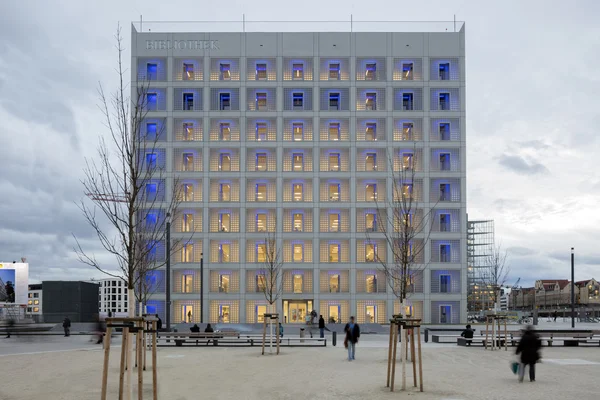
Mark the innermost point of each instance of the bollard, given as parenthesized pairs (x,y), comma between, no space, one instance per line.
(301,335)
(426,335)
(334,338)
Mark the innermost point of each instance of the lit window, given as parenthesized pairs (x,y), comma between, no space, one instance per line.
(29,302)
(298,192)
(371,162)
(298,101)
(187,223)
(334,253)
(188,161)
(151,160)
(444,131)
(261,222)
(224,192)
(151,71)
(261,161)
(261,253)
(334,101)
(334,161)
(445,161)
(445,223)
(444,101)
(261,72)
(370,71)
(371,101)
(371,222)
(334,222)
(444,192)
(224,101)
(334,283)
(188,131)
(188,101)
(224,283)
(151,189)
(188,192)
(407,71)
(225,72)
(445,283)
(188,72)
(187,253)
(224,252)
(298,219)
(225,222)
(298,71)
(407,220)
(407,101)
(334,131)
(225,131)
(371,192)
(298,252)
(407,161)
(298,162)
(371,283)
(225,162)
(298,283)
(151,101)
(334,71)
(261,101)
(407,130)
(36,309)
(371,131)
(151,129)
(151,220)
(261,131)
(187,283)
(261,192)
(407,190)
(334,192)
(261,282)
(370,252)
(298,131)
(444,71)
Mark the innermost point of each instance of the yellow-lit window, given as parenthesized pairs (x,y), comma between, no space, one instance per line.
(371,283)
(407,190)
(298,71)
(225,192)
(334,283)
(407,160)
(261,131)
(187,253)
(371,131)
(187,283)
(334,161)
(407,131)
(334,222)
(225,162)
(188,161)
(334,253)
(334,131)
(298,162)
(224,252)
(261,192)
(371,192)
(261,161)
(371,162)
(261,253)
(334,192)
(261,72)
(370,252)
(225,222)
(224,283)
(298,131)
(187,222)
(298,222)
(225,131)
(188,192)
(298,283)
(298,192)
(298,252)
(371,222)
(188,131)
(261,222)
(36,309)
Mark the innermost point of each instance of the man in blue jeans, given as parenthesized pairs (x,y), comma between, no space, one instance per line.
(352,334)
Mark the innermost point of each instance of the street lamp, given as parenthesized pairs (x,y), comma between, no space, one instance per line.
(572,287)
(168,272)
(201,288)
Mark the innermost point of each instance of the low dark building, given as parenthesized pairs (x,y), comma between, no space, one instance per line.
(77,300)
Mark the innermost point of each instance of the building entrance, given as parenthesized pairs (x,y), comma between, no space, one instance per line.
(296,311)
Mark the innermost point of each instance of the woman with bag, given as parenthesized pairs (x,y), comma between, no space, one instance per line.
(529,347)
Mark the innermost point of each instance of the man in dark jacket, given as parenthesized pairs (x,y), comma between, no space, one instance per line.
(352,334)
(529,347)
(67,326)
(468,334)
(321,326)
(158,323)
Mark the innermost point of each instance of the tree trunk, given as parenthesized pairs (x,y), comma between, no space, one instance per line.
(270,335)
(130,349)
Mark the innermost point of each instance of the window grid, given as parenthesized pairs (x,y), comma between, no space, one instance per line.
(190,190)
(344,129)
(453,225)
(364,99)
(288,194)
(445,129)
(343,104)
(216,223)
(438,256)
(288,248)
(217,125)
(216,103)
(366,192)
(343,222)
(436,103)
(159,73)
(362,286)
(288,280)
(415,219)
(416,104)
(160,96)
(445,160)
(289,133)
(453,318)
(233,307)
(415,306)
(252,164)
(181,104)
(307,68)
(215,68)
(251,191)
(251,225)
(218,163)
(188,160)
(405,186)
(188,220)
(255,130)
(452,75)
(364,71)
(216,257)
(178,275)
(344,193)
(408,159)
(215,281)
(288,160)
(361,311)
(178,316)
(253,95)
(400,73)
(324,281)
(189,251)
(408,129)
(454,286)
(344,68)
(436,193)
(188,130)
(370,130)
(361,247)
(252,69)
(307,220)
(377,224)
(251,309)
(216,195)
(366,163)
(342,166)
(344,251)
(288,99)
(341,307)
(188,69)
(153,129)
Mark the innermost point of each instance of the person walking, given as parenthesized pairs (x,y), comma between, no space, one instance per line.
(280,330)
(529,349)
(67,326)
(352,334)
(158,323)
(321,326)
(468,334)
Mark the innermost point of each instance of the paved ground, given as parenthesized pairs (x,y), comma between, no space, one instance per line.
(69,368)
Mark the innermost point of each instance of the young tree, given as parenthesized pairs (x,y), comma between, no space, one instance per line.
(495,273)
(271,277)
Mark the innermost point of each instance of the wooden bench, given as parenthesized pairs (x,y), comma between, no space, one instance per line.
(236,339)
(461,341)
(196,337)
(444,338)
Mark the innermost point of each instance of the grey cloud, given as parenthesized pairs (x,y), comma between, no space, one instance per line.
(521,251)
(536,144)
(521,166)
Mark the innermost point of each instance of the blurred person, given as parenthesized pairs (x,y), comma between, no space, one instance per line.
(352,334)
(468,334)
(321,326)
(67,326)
(529,349)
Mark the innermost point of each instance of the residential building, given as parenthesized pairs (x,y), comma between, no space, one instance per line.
(588,292)
(112,296)
(290,134)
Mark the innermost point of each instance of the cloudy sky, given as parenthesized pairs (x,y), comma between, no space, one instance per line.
(532,117)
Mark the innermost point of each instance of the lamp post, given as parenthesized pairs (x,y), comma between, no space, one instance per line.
(572,287)
(168,272)
(201,288)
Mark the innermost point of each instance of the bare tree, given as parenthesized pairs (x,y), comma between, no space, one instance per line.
(495,273)
(271,282)
(406,229)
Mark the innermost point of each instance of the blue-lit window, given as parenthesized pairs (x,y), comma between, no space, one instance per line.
(334,71)
(188,101)
(407,101)
(371,162)
(407,71)
(334,131)
(261,192)
(445,161)
(224,101)
(151,160)
(261,72)
(261,162)
(151,71)
(224,192)
(371,101)
(261,222)
(444,192)
(151,219)
(225,162)
(445,284)
(298,222)
(225,131)
(151,101)
(261,101)
(370,71)
(334,101)
(334,222)
(298,131)
(334,192)
(407,130)
(151,129)
(298,71)
(371,222)
(225,72)
(188,72)
(444,101)
(261,131)
(444,71)
(334,162)
(151,190)
(371,131)
(444,131)
(371,192)
(298,100)
(445,222)
(225,222)
(297,192)
(151,248)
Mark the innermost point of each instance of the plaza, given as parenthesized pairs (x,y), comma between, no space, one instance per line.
(70,368)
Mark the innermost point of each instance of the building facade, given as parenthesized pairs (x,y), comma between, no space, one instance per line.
(301,135)
(74,299)
(112,296)
(34,301)
(480,247)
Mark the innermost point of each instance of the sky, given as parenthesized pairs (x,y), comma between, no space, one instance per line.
(532,116)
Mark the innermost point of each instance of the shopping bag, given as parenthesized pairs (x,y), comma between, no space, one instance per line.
(514,367)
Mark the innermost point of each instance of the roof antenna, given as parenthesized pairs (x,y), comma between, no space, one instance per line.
(454,23)
(141,23)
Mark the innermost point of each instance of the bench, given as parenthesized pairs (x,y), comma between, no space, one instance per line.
(443,338)
(181,338)
(236,339)
(569,338)
(461,341)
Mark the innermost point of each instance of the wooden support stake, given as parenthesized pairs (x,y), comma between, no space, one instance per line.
(105,366)
(264,335)
(403,335)
(420,359)
(487,320)
(139,338)
(125,339)
(154,375)
(389,369)
(277,329)
(412,355)
(394,357)
(145,344)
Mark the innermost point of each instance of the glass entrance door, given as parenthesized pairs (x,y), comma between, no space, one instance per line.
(260,313)
(187,313)
(296,311)
(334,314)
(371,314)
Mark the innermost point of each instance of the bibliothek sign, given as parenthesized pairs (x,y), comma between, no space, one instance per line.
(182,44)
